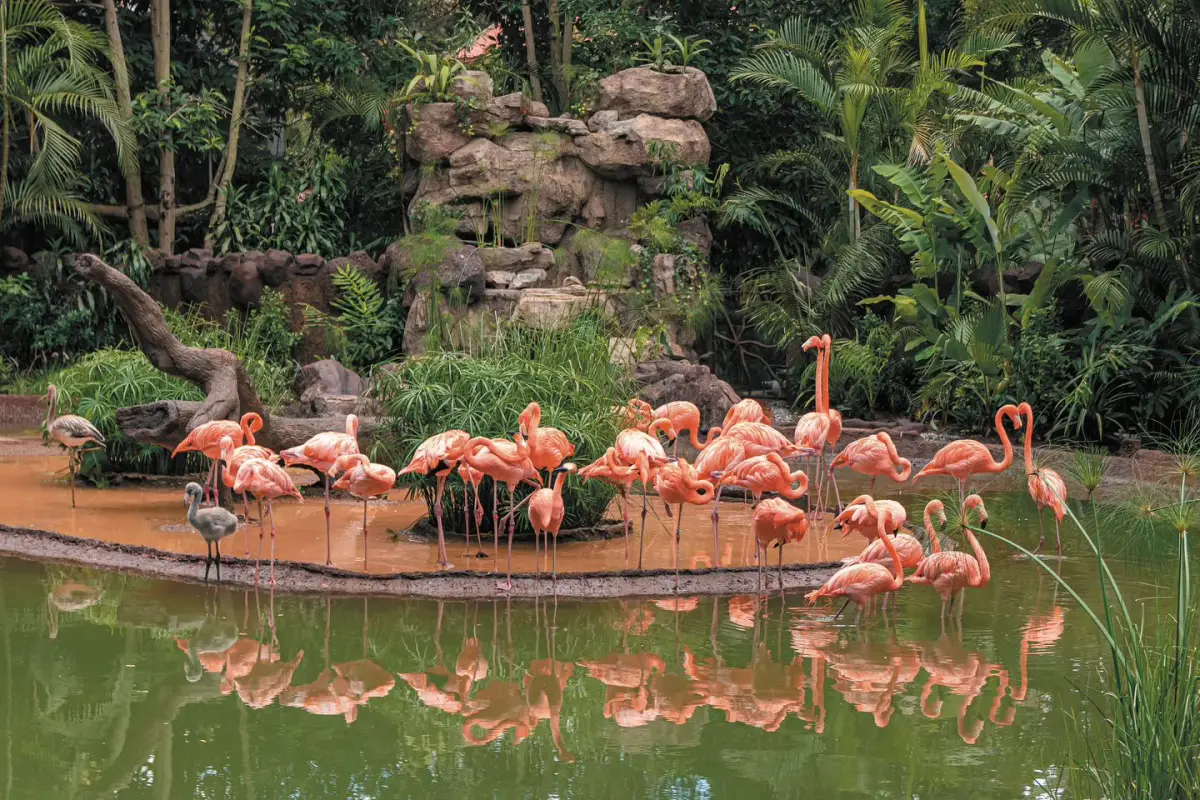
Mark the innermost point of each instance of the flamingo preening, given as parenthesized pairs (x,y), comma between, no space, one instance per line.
(862,582)
(71,431)
(953,571)
(676,484)
(439,455)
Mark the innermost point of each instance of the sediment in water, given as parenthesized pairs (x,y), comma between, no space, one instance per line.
(293,577)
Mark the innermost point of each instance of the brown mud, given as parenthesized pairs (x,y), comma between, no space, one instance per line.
(300,578)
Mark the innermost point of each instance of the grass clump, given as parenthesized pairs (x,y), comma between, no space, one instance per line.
(566,370)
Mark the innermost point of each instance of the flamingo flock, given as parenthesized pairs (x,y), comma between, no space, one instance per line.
(745,451)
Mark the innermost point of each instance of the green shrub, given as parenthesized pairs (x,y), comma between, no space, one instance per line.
(567,371)
(366,328)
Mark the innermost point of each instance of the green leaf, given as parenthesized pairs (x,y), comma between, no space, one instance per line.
(966,185)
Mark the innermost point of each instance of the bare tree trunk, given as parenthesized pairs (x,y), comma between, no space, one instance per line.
(219,372)
(556,73)
(1139,91)
(235,125)
(6,110)
(134,199)
(160,25)
(531,51)
(568,39)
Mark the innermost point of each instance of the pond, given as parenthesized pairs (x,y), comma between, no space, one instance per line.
(118,685)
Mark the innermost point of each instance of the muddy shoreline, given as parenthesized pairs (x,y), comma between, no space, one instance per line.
(302,578)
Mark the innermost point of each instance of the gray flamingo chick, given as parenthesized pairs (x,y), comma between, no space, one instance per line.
(214,524)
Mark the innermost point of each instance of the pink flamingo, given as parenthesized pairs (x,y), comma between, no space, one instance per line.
(721,456)
(823,425)
(760,439)
(362,479)
(860,516)
(745,411)
(548,447)
(70,431)
(504,462)
(642,449)
(439,454)
(206,439)
(762,474)
(776,520)
(963,458)
(233,458)
(609,469)
(1046,486)
(546,512)
(320,452)
(677,483)
(862,582)
(684,416)
(471,479)
(954,571)
(265,479)
(874,456)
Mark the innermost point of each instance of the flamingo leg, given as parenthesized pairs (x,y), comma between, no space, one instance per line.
(217,545)
(271,512)
(871,486)
(511,528)
(71,467)
(207,560)
(820,505)
(246,531)
(781,567)
(262,531)
(716,521)
(443,558)
(758,558)
(645,510)
(328,546)
(843,608)
(678,527)
(554,561)
(364,533)
(625,522)
(495,525)
(1057,535)
(1041,531)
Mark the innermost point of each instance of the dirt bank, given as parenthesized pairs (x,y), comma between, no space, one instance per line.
(300,578)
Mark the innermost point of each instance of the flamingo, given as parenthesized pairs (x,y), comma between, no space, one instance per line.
(677,483)
(70,431)
(548,447)
(954,571)
(745,411)
(637,413)
(265,479)
(642,449)
(721,456)
(872,455)
(233,458)
(486,457)
(860,516)
(609,469)
(439,454)
(546,511)
(206,439)
(762,474)
(823,425)
(684,416)
(963,458)
(776,520)
(760,439)
(362,479)
(931,508)
(1046,486)
(214,524)
(861,582)
(321,452)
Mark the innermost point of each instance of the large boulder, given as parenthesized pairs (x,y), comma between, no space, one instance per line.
(642,90)
(622,149)
(361,261)
(511,108)
(553,308)
(245,284)
(13,260)
(436,132)
(514,259)
(326,377)
(460,273)
(665,380)
(473,85)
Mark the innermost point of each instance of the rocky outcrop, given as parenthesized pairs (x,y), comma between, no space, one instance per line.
(642,90)
(664,380)
(327,377)
(459,275)
(622,149)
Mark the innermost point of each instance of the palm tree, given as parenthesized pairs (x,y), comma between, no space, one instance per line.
(47,69)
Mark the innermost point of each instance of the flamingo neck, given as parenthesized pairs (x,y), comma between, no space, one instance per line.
(698,445)
(985,569)
(1029,440)
(897,565)
(535,422)
(825,379)
(934,541)
(558,484)
(50,412)
(819,389)
(193,508)
(1008,448)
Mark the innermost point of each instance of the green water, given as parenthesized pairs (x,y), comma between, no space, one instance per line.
(758,697)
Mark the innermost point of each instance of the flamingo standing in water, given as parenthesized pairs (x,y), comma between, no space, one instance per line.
(860,516)
(874,456)
(71,431)
(760,439)
(439,454)
(1046,486)
(265,479)
(642,449)
(609,469)
(233,458)
(963,458)
(677,483)
(504,462)
(362,479)
(548,447)
(206,439)
(721,456)
(761,474)
(546,511)
(745,411)
(684,416)
(862,582)
(776,520)
(471,479)
(823,425)
(954,571)
(321,452)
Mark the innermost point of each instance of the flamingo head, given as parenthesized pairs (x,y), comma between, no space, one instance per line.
(226,448)
(810,343)
(530,418)
(352,426)
(976,502)
(51,394)
(192,491)
(936,507)
(1013,413)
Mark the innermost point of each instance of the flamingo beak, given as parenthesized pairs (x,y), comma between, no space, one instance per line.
(983,523)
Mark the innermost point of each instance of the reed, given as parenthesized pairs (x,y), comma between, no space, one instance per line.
(1148,742)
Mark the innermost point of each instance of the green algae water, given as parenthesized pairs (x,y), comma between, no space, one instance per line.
(119,686)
